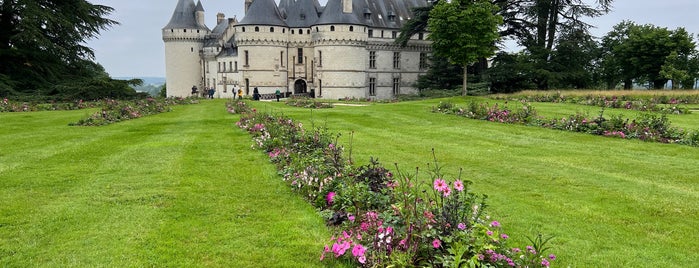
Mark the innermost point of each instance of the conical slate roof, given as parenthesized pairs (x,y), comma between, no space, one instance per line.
(184,16)
(300,13)
(263,12)
(333,13)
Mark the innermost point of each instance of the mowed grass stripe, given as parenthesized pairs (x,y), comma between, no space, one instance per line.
(608,201)
(177,189)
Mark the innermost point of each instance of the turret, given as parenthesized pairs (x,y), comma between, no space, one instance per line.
(184,39)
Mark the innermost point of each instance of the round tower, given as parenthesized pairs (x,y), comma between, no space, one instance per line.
(184,40)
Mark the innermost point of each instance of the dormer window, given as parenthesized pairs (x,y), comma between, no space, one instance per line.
(367,13)
(391,16)
(303,16)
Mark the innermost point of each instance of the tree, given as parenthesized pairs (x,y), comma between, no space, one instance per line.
(42,41)
(648,54)
(463,31)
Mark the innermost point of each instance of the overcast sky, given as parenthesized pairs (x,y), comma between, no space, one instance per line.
(135,47)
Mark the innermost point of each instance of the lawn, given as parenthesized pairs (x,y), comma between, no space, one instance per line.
(177,189)
(184,188)
(607,201)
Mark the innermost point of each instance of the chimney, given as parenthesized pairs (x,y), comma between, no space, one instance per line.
(347,6)
(219,18)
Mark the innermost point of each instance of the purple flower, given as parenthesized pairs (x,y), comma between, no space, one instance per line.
(330,197)
(552,257)
(504,236)
(461,226)
(545,263)
(489,233)
(495,224)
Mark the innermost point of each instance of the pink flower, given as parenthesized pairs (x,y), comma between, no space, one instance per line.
(440,185)
(495,224)
(461,226)
(459,186)
(350,217)
(330,197)
(489,233)
(552,257)
(358,250)
(362,259)
(447,191)
(504,236)
(331,146)
(545,263)
(515,250)
(436,243)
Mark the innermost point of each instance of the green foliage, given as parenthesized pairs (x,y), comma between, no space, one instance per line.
(42,44)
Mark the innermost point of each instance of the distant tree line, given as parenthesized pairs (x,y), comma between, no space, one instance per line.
(559,51)
(43,54)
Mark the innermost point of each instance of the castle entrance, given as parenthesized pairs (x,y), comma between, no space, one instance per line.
(300,87)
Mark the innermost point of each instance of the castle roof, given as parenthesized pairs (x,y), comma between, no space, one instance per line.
(333,13)
(263,12)
(184,16)
(299,13)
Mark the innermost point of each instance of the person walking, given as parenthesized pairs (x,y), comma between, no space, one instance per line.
(278,94)
(240,93)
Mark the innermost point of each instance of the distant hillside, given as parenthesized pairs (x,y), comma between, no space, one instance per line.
(156,81)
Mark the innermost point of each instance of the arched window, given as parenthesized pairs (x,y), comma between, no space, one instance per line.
(317,29)
(300,31)
(351,28)
(257,29)
(271,29)
(283,30)
(243,29)
(308,31)
(332,28)
(292,31)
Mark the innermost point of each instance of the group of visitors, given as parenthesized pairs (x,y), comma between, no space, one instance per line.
(255,93)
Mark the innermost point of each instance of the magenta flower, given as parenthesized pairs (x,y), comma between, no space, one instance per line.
(461,226)
(330,197)
(459,185)
(447,191)
(350,217)
(552,257)
(436,243)
(516,250)
(362,259)
(504,236)
(495,224)
(489,233)
(358,250)
(545,263)
(440,185)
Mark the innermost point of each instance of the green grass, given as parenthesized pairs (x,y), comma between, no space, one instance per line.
(184,188)
(608,202)
(177,189)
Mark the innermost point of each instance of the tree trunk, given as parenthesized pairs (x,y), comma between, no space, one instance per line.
(465,90)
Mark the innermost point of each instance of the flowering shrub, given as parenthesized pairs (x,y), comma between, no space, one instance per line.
(115,111)
(382,219)
(308,103)
(647,127)
(646,103)
(10,106)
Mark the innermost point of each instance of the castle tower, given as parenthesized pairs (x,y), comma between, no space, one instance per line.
(184,40)
(261,38)
(340,43)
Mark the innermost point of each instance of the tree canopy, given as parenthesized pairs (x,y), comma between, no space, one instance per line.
(42,47)
(463,31)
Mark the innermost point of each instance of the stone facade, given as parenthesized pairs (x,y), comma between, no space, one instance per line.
(345,49)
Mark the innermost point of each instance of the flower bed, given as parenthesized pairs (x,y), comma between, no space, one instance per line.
(647,127)
(383,218)
(308,103)
(12,106)
(115,111)
(650,102)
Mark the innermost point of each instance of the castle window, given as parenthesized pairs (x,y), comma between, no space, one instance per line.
(372,59)
(320,58)
(381,34)
(243,29)
(300,55)
(303,16)
(351,28)
(317,30)
(396,60)
(236,66)
(191,49)
(371,33)
(271,29)
(396,86)
(372,86)
(230,66)
(332,28)
(283,30)
(300,31)
(423,60)
(247,58)
(224,67)
(219,67)
(394,34)
(308,31)
(292,31)
(420,36)
(257,29)
(185,30)
(197,31)
(391,16)
(172,30)
(281,58)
